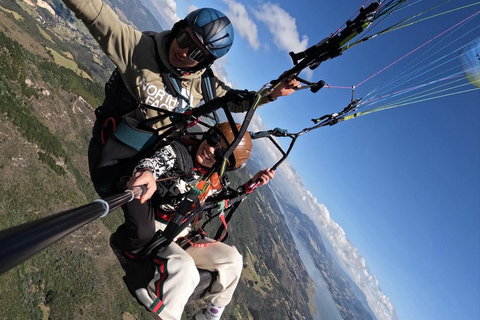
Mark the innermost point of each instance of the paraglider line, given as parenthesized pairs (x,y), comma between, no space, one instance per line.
(416,49)
(418,98)
(337,87)
(423,85)
(391,106)
(400,25)
(408,75)
(418,94)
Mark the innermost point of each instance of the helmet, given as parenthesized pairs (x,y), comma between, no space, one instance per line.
(242,152)
(213,29)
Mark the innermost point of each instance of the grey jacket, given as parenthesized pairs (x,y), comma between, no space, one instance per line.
(135,55)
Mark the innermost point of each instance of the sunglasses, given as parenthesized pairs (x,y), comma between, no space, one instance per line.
(194,52)
(213,140)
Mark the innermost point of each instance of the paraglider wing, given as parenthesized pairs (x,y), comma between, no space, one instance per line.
(470,59)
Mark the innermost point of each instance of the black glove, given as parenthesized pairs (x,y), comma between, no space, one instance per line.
(232,96)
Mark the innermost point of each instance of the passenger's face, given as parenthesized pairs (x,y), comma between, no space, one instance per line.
(186,50)
(205,155)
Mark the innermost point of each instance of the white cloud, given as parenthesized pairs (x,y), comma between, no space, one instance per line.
(168,10)
(282,26)
(191,8)
(256,124)
(220,69)
(242,23)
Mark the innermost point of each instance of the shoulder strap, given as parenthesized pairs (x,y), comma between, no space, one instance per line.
(171,86)
(209,82)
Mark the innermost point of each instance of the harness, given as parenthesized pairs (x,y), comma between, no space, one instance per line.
(119,102)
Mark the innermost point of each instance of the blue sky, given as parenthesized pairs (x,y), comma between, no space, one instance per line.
(404,184)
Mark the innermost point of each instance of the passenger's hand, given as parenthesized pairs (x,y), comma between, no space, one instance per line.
(263,176)
(143,178)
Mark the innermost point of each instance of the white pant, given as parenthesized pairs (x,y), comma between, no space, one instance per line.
(176,276)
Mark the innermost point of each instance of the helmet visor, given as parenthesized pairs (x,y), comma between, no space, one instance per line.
(194,52)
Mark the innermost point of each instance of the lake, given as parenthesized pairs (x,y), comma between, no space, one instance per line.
(326,307)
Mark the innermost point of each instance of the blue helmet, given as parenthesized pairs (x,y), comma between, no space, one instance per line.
(213,29)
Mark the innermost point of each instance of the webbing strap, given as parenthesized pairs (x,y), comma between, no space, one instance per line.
(208,85)
(222,233)
(193,241)
(172,84)
(184,207)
